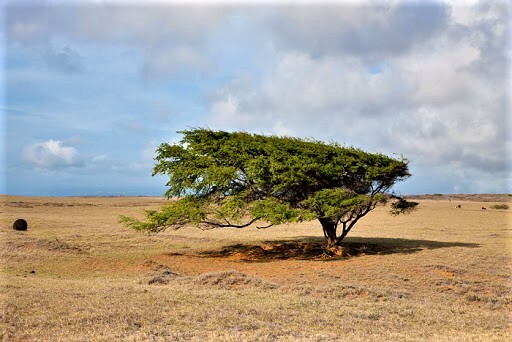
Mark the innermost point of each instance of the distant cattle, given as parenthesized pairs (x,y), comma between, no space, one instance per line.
(484,208)
(458,206)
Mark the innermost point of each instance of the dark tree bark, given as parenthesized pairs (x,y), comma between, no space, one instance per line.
(330,227)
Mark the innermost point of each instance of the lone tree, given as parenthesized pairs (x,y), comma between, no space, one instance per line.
(222,179)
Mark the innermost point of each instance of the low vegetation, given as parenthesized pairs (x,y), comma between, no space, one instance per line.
(439,274)
(500,206)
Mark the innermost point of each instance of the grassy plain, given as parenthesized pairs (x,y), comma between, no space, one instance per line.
(439,274)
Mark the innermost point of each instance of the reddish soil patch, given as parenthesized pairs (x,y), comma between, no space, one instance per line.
(291,250)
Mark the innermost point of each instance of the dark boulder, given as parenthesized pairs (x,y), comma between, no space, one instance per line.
(20,224)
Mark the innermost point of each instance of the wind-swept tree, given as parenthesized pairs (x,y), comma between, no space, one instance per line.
(221,179)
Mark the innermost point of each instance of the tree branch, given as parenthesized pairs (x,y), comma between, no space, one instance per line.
(354,221)
(229,225)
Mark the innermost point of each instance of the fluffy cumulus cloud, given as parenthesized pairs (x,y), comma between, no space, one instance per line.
(427,81)
(369,30)
(51,154)
(169,38)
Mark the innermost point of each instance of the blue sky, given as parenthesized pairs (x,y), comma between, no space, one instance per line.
(91,88)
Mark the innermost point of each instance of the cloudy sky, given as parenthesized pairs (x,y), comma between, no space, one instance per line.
(91,88)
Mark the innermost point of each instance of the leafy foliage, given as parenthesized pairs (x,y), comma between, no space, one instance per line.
(221,179)
(402,206)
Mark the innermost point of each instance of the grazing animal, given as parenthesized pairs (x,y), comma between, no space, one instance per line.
(484,208)
(458,206)
(20,224)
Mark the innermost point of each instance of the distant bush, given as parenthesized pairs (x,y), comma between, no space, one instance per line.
(438,195)
(500,206)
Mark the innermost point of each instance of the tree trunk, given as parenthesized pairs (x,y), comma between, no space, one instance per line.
(329,227)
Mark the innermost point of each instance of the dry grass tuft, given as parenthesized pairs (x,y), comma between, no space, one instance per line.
(350,292)
(159,275)
(232,279)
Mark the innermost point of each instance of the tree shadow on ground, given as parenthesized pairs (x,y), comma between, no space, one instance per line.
(313,248)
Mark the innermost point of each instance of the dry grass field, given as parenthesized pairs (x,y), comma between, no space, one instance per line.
(76,274)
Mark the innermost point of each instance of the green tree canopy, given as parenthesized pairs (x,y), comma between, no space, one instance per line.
(222,179)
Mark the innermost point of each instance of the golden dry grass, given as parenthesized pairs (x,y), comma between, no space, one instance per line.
(441,274)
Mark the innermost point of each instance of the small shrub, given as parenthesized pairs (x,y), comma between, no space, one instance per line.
(500,206)
(159,274)
(402,206)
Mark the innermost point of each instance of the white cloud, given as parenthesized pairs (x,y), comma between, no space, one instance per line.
(442,102)
(301,83)
(226,111)
(171,37)
(51,154)
(108,23)
(99,159)
(369,31)
(183,61)
(442,76)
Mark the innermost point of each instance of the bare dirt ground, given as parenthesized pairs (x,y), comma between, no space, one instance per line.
(442,273)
